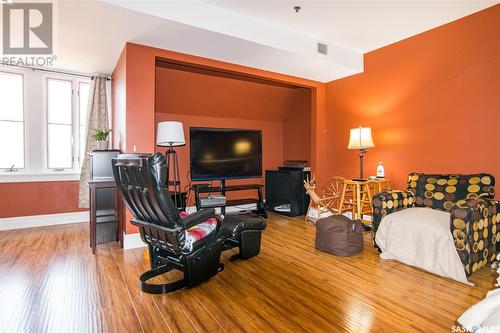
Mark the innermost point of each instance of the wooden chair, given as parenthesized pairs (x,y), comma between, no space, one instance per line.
(329,202)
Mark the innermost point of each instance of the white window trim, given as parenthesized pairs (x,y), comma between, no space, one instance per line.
(77,152)
(25,132)
(35,129)
(46,121)
(24,176)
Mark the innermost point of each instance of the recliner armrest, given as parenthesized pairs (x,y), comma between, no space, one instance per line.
(197,217)
(475,226)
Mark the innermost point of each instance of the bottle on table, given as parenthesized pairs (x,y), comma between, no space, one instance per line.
(380,170)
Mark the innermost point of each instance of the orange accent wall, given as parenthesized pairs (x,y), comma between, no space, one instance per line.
(38,198)
(297,127)
(190,93)
(432,101)
(140,98)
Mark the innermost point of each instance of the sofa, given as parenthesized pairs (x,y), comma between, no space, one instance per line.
(474,213)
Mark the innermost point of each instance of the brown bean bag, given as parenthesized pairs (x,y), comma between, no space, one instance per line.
(339,235)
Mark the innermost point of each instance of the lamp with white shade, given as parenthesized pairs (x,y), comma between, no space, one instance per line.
(361,139)
(171,134)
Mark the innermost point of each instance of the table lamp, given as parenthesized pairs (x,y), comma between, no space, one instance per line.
(171,134)
(361,139)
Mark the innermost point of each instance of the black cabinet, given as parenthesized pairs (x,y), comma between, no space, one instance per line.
(287,187)
(105,204)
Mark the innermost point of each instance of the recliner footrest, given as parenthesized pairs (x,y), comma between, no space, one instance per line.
(244,231)
(234,225)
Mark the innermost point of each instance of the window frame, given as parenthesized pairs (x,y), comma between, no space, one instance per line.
(75,121)
(79,125)
(35,128)
(25,139)
(46,80)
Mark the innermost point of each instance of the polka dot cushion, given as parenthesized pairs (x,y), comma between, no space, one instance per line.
(475,226)
(442,191)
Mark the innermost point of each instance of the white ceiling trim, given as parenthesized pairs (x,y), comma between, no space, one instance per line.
(272,38)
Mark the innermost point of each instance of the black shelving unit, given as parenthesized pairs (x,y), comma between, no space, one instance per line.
(287,187)
(105,203)
(222,189)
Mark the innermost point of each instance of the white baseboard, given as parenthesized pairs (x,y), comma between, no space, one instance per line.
(313,213)
(22,222)
(133,241)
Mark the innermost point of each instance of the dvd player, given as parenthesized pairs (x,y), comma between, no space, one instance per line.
(213,200)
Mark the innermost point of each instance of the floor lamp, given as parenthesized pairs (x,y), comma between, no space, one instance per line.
(361,139)
(171,134)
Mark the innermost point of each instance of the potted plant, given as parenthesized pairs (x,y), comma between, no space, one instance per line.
(100,135)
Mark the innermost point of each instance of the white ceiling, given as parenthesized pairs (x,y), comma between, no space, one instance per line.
(358,25)
(262,34)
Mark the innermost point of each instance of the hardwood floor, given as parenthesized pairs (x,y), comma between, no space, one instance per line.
(50,281)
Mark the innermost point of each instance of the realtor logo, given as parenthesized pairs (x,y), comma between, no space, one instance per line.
(27,28)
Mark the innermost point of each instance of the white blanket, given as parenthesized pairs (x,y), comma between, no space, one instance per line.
(421,237)
(485,315)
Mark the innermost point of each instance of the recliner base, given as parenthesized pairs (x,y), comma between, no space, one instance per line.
(197,266)
(159,288)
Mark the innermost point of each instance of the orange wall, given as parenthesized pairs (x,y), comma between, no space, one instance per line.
(189,93)
(140,98)
(433,102)
(297,127)
(38,198)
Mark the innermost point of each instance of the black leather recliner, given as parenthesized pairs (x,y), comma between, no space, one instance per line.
(142,178)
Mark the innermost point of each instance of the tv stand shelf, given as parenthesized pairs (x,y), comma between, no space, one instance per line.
(222,189)
(235,202)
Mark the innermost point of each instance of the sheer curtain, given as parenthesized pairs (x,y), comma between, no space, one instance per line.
(97,117)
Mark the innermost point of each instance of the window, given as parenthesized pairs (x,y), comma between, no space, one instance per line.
(59,124)
(66,123)
(11,121)
(42,124)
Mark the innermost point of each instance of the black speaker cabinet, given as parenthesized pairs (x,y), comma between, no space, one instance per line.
(103,211)
(287,187)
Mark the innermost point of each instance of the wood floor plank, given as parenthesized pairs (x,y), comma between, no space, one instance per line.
(50,282)
(131,266)
(123,308)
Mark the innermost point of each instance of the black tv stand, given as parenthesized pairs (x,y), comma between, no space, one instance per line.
(222,189)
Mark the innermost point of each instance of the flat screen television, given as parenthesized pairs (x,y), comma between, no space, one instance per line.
(225,153)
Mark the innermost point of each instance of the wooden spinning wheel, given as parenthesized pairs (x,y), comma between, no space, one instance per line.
(330,200)
(334,190)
